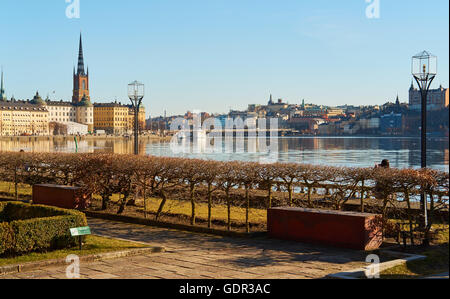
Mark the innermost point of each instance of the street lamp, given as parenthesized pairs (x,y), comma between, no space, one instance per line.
(136,94)
(424,70)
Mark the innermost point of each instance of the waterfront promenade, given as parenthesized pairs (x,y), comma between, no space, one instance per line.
(198,256)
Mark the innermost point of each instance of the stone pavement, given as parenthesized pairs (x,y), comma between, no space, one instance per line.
(200,256)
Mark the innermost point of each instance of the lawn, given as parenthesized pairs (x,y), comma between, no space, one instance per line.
(7,188)
(437,262)
(219,211)
(93,245)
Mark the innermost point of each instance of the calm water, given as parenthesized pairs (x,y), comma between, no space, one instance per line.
(339,151)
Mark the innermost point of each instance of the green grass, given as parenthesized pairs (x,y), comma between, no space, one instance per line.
(443,235)
(93,245)
(219,211)
(22,189)
(437,262)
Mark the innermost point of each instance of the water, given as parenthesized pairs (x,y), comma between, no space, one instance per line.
(339,151)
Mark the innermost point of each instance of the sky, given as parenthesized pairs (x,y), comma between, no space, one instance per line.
(217,55)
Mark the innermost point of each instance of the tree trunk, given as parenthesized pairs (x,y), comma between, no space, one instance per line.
(132,202)
(430,220)
(309,198)
(228,209)
(410,220)
(291,202)
(161,206)
(123,204)
(362,198)
(247,208)
(145,201)
(192,193)
(385,202)
(269,196)
(105,201)
(209,205)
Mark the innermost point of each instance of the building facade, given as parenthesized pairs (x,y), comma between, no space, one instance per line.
(141,118)
(21,118)
(34,117)
(437,99)
(115,118)
(391,124)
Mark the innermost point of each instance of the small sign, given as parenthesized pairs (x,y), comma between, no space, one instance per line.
(80,231)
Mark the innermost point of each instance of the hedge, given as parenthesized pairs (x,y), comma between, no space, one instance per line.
(43,228)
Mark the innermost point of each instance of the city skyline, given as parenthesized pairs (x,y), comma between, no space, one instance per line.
(222,55)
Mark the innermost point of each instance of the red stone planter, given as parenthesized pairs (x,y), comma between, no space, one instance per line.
(65,197)
(352,230)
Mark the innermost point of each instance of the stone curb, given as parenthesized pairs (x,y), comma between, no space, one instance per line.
(361,272)
(183,227)
(438,276)
(18,268)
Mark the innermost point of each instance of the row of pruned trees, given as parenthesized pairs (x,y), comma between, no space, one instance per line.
(126,175)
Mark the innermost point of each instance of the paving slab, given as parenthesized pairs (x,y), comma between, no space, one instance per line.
(202,256)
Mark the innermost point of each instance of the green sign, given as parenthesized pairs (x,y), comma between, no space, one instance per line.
(80,231)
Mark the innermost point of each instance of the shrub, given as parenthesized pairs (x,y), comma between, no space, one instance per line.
(37,228)
(162,177)
(2,209)
(15,211)
(6,237)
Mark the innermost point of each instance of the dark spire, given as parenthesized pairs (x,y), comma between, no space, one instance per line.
(2,90)
(80,59)
(2,82)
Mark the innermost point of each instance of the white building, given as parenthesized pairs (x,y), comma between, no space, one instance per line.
(74,128)
(67,112)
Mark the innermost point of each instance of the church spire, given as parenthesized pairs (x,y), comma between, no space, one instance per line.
(80,78)
(80,59)
(2,90)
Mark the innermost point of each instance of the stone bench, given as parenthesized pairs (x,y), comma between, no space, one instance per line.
(360,231)
(65,197)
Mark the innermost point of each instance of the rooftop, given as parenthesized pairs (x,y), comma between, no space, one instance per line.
(21,105)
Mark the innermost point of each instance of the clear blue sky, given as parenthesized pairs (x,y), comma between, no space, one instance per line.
(215,54)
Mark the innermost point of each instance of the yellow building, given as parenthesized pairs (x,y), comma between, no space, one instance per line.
(23,118)
(141,118)
(115,118)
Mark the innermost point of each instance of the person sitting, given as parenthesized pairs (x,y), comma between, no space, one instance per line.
(379,190)
(384,164)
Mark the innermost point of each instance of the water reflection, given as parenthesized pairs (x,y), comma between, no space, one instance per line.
(345,151)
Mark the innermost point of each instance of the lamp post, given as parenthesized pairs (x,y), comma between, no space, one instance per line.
(136,94)
(424,70)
